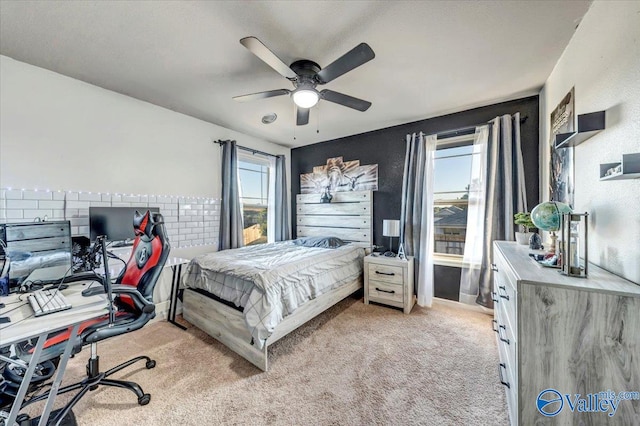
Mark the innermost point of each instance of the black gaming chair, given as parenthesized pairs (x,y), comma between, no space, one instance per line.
(133,299)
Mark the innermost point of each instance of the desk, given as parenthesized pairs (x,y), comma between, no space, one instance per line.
(176,267)
(25,326)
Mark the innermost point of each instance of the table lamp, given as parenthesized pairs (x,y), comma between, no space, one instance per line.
(390,228)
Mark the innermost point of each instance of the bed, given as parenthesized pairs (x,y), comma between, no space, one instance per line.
(251,297)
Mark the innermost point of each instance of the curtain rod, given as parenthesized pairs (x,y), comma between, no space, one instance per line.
(468,130)
(244,148)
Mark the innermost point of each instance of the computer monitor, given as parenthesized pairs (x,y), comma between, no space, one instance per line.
(116,223)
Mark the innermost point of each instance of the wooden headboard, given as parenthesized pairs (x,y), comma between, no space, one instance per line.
(349,216)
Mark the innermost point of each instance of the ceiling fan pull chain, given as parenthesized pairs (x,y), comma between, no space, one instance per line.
(318,119)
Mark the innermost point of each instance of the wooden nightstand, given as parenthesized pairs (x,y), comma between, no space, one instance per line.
(389,280)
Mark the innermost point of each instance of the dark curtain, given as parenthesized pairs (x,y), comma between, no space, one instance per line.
(416,217)
(281,207)
(231,224)
(505,195)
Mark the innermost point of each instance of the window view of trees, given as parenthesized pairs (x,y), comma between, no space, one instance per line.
(255,224)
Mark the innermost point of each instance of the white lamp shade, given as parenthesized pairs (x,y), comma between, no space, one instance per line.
(391,228)
(306,98)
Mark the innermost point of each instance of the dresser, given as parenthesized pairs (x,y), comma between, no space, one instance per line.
(34,245)
(389,280)
(561,336)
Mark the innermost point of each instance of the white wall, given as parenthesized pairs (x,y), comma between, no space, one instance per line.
(602,61)
(60,133)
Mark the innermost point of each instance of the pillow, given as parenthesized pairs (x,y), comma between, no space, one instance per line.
(323,242)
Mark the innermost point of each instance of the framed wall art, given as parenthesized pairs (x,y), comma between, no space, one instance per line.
(338,175)
(561,169)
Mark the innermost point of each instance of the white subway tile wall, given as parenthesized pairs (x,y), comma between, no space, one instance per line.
(189,221)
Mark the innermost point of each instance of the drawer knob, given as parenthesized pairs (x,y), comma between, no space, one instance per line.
(385,291)
(500,367)
(390,274)
(500,328)
(504,296)
(494,267)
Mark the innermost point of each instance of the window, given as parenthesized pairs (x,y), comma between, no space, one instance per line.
(254,173)
(452,175)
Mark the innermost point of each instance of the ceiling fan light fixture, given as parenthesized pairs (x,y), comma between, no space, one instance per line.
(306,98)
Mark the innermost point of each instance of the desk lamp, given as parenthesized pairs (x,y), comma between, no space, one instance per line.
(390,228)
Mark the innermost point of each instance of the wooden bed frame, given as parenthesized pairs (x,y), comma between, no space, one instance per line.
(349,217)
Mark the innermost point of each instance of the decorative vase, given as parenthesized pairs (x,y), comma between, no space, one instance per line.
(523,238)
(535,242)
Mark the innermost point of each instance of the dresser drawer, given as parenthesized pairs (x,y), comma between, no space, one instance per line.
(507,376)
(507,347)
(385,291)
(504,324)
(37,230)
(504,291)
(503,268)
(386,273)
(41,245)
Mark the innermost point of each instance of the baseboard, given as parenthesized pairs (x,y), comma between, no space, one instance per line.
(454,304)
(162,311)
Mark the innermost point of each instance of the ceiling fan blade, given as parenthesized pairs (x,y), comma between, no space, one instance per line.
(261,95)
(256,47)
(345,100)
(302,116)
(357,56)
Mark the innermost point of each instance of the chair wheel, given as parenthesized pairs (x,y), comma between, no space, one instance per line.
(144,399)
(150,364)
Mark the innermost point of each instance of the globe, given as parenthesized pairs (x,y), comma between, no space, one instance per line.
(547,216)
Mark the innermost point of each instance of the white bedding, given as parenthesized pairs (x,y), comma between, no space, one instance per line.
(272,280)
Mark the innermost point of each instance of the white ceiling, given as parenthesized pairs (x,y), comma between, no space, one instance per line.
(432,57)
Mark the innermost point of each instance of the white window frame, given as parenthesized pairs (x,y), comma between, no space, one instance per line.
(444,259)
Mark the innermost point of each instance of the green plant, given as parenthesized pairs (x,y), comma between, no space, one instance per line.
(524,220)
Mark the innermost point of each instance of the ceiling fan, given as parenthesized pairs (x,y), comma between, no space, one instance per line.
(306,75)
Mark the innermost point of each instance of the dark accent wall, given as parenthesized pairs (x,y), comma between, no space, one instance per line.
(386,147)
(447,286)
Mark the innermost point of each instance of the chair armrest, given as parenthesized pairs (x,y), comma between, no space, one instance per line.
(141,303)
(148,312)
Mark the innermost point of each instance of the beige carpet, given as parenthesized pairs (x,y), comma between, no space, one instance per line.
(352,365)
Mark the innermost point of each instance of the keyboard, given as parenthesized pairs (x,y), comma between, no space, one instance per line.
(46,302)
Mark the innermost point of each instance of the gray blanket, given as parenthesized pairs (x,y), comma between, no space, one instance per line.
(272,280)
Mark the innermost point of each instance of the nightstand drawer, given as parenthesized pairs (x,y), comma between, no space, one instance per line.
(389,280)
(386,273)
(386,291)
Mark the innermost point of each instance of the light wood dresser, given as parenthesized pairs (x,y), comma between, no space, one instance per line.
(389,280)
(562,341)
